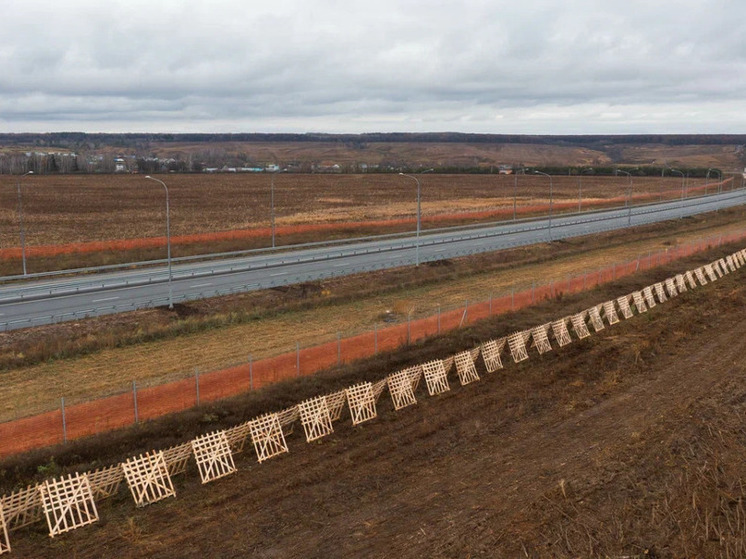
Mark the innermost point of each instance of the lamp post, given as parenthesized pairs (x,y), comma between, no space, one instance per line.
(20,220)
(272,206)
(168,241)
(629,196)
(419,213)
(550,200)
(707,178)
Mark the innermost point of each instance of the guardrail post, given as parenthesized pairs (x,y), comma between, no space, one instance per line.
(251,373)
(196,382)
(134,398)
(64,420)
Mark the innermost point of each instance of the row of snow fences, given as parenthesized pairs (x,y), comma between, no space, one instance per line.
(69,502)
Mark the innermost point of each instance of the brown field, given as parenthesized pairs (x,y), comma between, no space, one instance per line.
(627,444)
(97,357)
(74,210)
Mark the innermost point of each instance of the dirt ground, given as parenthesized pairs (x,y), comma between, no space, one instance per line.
(627,444)
(72,221)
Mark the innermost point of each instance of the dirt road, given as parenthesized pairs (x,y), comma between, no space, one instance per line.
(619,445)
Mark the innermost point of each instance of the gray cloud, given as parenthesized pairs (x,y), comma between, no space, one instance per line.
(531,66)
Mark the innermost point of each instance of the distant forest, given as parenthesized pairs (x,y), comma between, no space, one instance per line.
(82,140)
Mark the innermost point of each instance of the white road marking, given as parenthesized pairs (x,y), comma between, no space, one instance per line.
(106,299)
(278,274)
(200,285)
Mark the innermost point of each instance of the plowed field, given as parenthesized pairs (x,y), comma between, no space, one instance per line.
(627,444)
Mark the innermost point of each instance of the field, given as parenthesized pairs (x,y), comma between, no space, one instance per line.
(629,443)
(77,220)
(84,360)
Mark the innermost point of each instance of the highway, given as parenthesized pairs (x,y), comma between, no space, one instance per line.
(33,303)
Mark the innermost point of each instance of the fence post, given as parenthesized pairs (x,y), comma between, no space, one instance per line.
(613,271)
(251,373)
(466,312)
(533,288)
(512,298)
(64,421)
(297,359)
(134,397)
(196,382)
(490,303)
(375,339)
(438,319)
(339,348)
(409,329)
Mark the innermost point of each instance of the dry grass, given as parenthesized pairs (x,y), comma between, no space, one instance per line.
(39,387)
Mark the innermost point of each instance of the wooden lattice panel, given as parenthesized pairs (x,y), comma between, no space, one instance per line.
(213,456)
(401,389)
(68,503)
(660,292)
(561,333)
(517,346)
(624,307)
(739,258)
(287,419)
(699,272)
(105,481)
(594,313)
(4,539)
(680,283)
(148,478)
(465,368)
(378,388)
(730,263)
(176,458)
(649,297)
(639,302)
(610,312)
(491,351)
(362,402)
(267,436)
(723,266)
(709,270)
(336,403)
(715,266)
(237,436)
(671,287)
(415,375)
(315,418)
(690,279)
(579,325)
(22,508)
(541,341)
(435,377)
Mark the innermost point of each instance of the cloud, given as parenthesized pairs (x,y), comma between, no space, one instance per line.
(577,66)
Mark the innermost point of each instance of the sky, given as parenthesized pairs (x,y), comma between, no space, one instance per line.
(350,66)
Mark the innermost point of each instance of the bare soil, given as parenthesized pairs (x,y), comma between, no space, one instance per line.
(627,444)
(71,221)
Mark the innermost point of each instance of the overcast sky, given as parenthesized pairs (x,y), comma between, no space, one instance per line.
(491,66)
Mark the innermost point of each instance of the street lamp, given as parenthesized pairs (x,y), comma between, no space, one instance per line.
(272,206)
(168,241)
(550,200)
(629,196)
(419,213)
(20,220)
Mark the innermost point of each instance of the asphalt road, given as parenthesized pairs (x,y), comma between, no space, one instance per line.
(43,302)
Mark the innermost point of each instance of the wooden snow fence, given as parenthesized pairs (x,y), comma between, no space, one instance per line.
(68,503)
